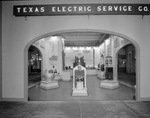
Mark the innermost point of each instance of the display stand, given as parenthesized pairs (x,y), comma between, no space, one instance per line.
(79,81)
(109,82)
(48,81)
(49,85)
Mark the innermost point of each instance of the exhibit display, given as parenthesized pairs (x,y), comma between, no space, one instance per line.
(109,84)
(101,71)
(79,62)
(109,81)
(79,80)
(48,81)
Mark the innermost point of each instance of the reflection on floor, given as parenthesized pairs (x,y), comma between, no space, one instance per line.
(33,79)
(63,93)
(127,79)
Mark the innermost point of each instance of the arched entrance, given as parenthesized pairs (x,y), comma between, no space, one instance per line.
(126,66)
(112,33)
(34,66)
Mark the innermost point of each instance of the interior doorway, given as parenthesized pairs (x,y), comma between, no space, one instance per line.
(69,87)
(127,66)
(34,66)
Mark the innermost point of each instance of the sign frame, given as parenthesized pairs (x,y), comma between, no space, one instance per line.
(81,9)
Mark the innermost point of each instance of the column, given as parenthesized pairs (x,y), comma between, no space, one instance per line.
(93,58)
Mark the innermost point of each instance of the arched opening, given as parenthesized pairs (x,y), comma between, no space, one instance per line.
(127,67)
(111,33)
(34,66)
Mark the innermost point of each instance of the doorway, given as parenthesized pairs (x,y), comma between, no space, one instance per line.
(127,66)
(34,66)
(68,32)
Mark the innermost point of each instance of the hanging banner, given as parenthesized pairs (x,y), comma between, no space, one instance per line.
(81,9)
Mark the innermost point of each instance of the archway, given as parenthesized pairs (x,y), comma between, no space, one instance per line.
(34,66)
(126,66)
(109,32)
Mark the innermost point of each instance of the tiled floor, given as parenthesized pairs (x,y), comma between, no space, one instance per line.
(75,109)
(63,93)
(33,80)
(127,78)
(96,105)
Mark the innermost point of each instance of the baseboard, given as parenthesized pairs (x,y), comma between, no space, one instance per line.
(144,99)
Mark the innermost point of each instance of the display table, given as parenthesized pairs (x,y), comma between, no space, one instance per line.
(79,81)
(91,71)
(109,84)
(66,76)
(57,77)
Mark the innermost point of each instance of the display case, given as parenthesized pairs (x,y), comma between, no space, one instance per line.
(79,81)
(109,73)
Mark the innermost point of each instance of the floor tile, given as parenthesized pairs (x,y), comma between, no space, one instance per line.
(63,93)
(139,107)
(75,109)
(144,116)
(105,109)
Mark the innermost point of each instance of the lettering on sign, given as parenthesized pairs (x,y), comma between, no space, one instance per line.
(82,9)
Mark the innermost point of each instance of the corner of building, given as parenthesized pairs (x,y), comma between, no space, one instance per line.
(0,51)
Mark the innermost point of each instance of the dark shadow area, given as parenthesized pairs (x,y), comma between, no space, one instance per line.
(127,78)
(126,66)
(34,66)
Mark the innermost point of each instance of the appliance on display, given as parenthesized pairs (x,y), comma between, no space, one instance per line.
(79,81)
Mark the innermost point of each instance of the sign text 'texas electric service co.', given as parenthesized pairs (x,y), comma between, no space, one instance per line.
(82,9)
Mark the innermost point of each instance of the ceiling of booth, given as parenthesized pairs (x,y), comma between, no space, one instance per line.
(84,38)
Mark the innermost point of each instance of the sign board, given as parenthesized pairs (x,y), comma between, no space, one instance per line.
(81,9)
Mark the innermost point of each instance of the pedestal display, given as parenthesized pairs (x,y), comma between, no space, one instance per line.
(109,81)
(48,81)
(79,81)
(109,84)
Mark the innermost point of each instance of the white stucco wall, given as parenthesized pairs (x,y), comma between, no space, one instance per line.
(18,31)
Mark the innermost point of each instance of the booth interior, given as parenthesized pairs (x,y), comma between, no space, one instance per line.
(59,59)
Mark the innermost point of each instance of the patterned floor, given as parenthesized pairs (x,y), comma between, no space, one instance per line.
(63,93)
(127,78)
(75,109)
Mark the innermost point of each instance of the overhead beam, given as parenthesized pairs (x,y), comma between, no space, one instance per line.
(104,37)
(80,43)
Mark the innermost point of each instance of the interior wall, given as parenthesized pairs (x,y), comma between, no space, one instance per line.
(17,32)
(130,63)
(86,52)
